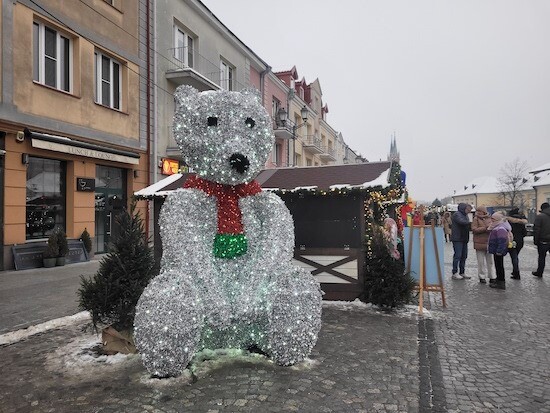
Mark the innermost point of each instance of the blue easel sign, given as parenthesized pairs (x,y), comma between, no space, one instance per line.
(433,253)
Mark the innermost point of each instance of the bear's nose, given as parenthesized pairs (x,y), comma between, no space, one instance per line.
(239,162)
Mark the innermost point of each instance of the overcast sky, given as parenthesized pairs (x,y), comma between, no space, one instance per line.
(464,84)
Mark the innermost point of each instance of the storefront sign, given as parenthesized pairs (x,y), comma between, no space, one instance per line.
(170,166)
(89,153)
(85,184)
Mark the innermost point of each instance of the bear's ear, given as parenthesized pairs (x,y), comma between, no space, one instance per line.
(252,93)
(183,92)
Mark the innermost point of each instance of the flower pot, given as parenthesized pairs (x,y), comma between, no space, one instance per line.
(60,261)
(49,262)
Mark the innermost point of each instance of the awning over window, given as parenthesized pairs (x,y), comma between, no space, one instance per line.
(74,147)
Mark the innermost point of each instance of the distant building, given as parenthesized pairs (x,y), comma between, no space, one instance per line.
(535,189)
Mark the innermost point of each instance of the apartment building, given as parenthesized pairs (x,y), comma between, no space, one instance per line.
(73,116)
(194,48)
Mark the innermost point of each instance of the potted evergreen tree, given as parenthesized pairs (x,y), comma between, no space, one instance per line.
(50,253)
(62,245)
(387,284)
(112,293)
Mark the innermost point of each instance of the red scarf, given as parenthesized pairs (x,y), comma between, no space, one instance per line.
(230,241)
(227,198)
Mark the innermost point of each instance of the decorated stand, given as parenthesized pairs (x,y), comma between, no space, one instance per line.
(333,208)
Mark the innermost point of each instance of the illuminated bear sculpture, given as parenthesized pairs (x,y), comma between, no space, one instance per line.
(227,278)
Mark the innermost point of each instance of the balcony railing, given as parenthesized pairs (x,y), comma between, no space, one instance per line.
(313,143)
(187,67)
(328,154)
(283,130)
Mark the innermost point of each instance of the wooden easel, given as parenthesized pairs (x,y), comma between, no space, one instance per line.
(422,285)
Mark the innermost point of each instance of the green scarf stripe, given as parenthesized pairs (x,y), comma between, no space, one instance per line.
(230,245)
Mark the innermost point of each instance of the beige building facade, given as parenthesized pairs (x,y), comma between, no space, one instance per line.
(72,120)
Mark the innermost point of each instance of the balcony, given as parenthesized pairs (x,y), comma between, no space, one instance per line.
(283,129)
(312,143)
(195,70)
(328,154)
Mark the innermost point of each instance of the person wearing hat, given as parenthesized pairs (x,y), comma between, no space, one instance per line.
(500,236)
(517,220)
(541,236)
(480,231)
(460,235)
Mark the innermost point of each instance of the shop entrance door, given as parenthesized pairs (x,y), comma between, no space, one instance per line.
(110,201)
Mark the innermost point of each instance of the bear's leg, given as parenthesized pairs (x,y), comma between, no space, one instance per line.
(294,317)
(167,326)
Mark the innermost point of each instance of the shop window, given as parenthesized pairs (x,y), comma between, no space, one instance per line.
(45,203)
(52,56)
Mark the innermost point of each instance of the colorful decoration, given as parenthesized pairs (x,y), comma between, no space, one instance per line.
(230,241)
(227,278)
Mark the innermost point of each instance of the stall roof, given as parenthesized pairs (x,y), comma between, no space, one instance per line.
(369,174)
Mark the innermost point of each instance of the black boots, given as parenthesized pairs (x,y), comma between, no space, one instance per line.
(498,284)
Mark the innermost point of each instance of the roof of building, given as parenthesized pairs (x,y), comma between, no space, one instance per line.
(541,168)
(480,185)
(491,185)
(368,174)
(371,174)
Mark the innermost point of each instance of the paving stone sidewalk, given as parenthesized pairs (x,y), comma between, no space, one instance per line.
(364,362)
(494,345)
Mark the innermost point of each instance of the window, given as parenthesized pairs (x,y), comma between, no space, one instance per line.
(108,81)
(226,76)
(275,105)
(45,199)
(52,56)
(183,47)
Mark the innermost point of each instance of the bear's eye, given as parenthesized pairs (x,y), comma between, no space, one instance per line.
(212,121)
(250,122)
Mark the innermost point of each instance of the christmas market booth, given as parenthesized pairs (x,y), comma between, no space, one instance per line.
(333,207)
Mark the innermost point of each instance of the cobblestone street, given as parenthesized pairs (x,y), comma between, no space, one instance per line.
(488,351)
(494,345)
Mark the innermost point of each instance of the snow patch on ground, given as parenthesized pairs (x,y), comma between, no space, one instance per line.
(15,336)
(79,357)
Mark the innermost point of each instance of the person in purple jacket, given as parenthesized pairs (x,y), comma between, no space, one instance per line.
(500,236)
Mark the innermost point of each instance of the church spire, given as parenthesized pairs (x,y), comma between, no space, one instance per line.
(393,156)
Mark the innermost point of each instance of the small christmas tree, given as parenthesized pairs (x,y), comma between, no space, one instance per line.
(386,283)
(112,293)
(62,243)
(86,240)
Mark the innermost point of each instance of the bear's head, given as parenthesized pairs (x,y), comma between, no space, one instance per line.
(224,136)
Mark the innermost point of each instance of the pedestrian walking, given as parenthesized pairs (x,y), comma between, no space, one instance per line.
(481,231)
(460,235)
(517,221)
(500,236)
(447,225)
(541,236)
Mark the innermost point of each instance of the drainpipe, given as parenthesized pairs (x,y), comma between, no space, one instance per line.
(262,83)
(155,97)
(263,74)
(148,105)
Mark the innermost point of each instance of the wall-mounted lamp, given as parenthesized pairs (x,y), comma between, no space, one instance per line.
(136,173)
(25,158)
(304,112)
(281,117)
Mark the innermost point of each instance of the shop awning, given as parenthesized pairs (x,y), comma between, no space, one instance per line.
(74,147)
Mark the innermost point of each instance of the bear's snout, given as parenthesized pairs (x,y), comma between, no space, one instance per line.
(239,162)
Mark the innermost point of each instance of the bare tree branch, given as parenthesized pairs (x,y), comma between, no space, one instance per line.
(511,182)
